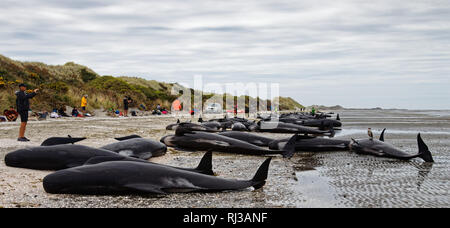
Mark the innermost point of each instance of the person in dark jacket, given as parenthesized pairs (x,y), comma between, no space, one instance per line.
(126,101)
(23,106)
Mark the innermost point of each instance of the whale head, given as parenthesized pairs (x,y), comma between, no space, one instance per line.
(19,157)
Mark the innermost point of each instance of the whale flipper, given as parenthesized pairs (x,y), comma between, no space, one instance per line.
(260,177)
(143,155)
(424,152)
(332,131)
(140,155)
(144,187)
(127,137)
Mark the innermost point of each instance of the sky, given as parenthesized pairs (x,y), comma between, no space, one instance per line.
(359,54)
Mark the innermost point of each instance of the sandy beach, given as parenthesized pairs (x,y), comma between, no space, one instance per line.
(330,179)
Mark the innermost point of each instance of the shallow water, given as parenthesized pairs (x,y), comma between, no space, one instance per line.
(330,179)
(365,181)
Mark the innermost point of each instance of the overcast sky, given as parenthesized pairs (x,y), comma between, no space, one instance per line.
(353,53)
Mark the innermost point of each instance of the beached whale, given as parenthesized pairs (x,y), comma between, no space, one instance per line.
(280,127)
(249,137)
(308,143)
(382,149)
(203,141)
(124,177)
(54,157)
(195,127)
(68,156)
(61,140)
(320,123)
(205,165)
(238,126)
(138,147)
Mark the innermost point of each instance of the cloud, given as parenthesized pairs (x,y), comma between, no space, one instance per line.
(354,53)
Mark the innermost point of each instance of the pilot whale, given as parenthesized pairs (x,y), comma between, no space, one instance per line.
(320,123)
(125,177)
(67,156)
(249,137)
(309,143)
(208,127)
(205,165)
(138,147)
(280,127)
(383,149)
(54,157)
(203,141)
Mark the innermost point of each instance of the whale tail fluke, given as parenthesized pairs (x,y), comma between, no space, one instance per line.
(205,165)
(127,137)
(289,148)
(260,177)
(424,152)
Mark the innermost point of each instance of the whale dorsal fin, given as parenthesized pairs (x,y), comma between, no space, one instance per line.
(382,135)
(205,164)
(69,136)
(338,118)
(178,121)
(260,177)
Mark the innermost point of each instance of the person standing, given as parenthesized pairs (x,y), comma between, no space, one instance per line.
(313,111)
(23,106)
(126,101)
(84,103)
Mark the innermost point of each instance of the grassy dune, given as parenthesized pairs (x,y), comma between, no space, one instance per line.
(62,85)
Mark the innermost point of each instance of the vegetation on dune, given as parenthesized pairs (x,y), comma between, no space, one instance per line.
(62,85)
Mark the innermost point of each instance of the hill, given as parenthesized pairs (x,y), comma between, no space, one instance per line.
(62,85)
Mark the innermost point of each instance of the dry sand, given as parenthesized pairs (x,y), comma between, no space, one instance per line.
(334,179)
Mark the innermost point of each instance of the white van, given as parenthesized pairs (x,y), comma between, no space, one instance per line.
(213,108)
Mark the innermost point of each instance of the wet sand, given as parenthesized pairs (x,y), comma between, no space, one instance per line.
(330,179)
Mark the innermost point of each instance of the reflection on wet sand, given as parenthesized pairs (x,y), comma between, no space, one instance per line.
(355,180)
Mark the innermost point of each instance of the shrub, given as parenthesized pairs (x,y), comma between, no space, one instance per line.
(60,87)
(113,84)
(87,76)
